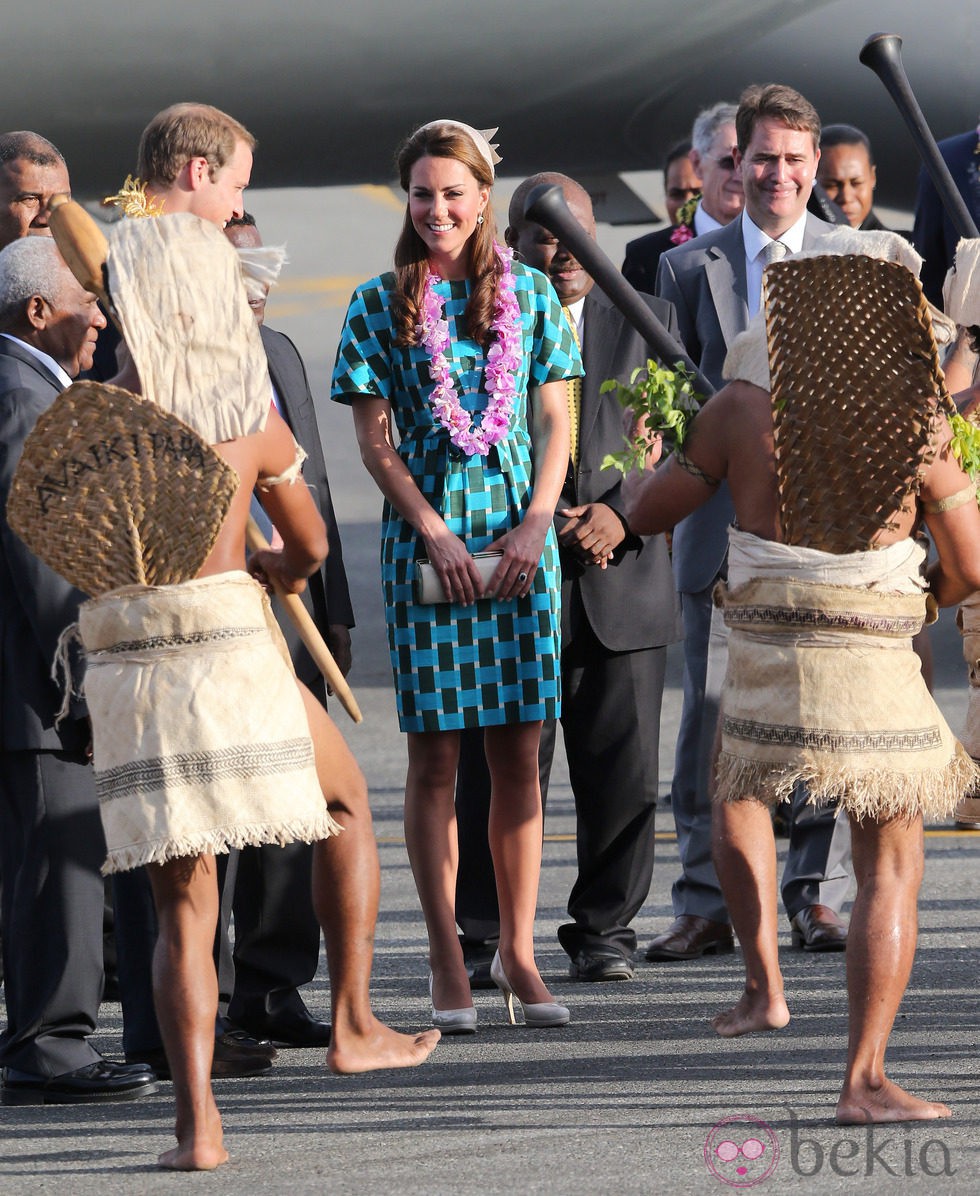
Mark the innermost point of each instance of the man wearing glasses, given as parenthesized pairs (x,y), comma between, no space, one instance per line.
(712,149)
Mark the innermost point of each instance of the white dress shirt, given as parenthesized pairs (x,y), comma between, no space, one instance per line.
(755,241)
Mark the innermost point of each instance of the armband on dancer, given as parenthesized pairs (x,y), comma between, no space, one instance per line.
(685,462)
(288,476)
(952,501)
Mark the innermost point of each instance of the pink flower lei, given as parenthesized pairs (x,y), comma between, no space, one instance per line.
(503,363)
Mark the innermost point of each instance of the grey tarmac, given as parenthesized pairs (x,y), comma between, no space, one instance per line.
(625,1099)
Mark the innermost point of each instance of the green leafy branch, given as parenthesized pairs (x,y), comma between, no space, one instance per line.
(661,400)
(966,446)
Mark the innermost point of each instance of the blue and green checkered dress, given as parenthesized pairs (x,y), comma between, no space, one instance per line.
(492,662)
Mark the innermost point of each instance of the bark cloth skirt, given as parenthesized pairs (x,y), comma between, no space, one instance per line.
(823,685)
(200,736)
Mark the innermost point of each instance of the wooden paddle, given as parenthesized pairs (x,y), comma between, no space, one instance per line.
(299,616)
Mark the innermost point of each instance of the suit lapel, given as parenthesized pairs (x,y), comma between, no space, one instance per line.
(11,348)
(814,229)
(725,274)
(291,388)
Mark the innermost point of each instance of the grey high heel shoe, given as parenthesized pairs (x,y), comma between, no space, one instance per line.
(453,1021)
(538,1015)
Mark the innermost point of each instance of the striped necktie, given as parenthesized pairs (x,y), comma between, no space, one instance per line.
(573,388)
(775,251)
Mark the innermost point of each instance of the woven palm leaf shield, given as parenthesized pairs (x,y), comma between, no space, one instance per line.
(112,491)
(855,380)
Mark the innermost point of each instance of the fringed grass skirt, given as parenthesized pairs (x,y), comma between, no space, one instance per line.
(823,687)
(200,736)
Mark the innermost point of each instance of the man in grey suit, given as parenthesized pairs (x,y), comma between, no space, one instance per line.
(712,157)
(619,611)
(51,837)
(714,282)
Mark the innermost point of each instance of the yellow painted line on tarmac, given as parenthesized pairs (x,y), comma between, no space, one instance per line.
(382,195)
(316,286)
(299,296)
(937,832)
(660,836)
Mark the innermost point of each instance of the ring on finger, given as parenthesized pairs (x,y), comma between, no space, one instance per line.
(522,577)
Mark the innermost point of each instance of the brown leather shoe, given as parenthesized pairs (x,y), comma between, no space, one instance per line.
(967,814)
(690,937)
(818,928)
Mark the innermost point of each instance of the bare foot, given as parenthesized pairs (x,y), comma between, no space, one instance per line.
(201,1151)
(379,1048)
(752,1011)
(193,1158)
(863,1103)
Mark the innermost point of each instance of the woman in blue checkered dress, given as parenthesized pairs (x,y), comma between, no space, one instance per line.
(451,348)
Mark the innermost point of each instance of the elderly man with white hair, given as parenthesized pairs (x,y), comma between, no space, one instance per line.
(51,841)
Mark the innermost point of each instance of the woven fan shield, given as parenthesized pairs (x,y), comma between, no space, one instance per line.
(855,378)
(112,491)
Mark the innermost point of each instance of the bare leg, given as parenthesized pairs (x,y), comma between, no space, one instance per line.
(433,848)
(880,948)
(185,993)
(744,851)
(516,828)
(346,887)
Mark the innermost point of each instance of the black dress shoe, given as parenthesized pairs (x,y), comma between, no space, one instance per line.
(99,1081)
(601,965)
(288,1027)
(818,928)
(242,1041)
(477,958)
(236,1055)
(690,937)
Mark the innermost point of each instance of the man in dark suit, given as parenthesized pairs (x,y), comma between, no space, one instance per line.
(31,171)
(619,611)
(277,937)
(712,148)
(682,189)
(51,836)
(932,232)
(714,283)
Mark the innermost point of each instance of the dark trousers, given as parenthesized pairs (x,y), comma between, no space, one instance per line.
(610,723)
(277,939)
(52,847)
(277,936)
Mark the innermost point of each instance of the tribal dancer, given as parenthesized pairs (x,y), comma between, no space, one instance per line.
(823,684)
(253,756)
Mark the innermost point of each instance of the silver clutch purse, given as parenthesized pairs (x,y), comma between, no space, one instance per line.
(428,587)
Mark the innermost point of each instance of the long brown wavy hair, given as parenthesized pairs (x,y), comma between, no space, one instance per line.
(411,253)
